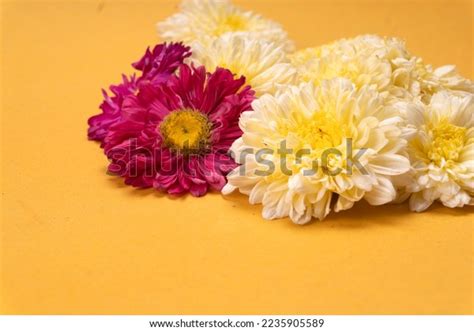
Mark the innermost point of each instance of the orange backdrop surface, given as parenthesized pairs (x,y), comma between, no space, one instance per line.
(74,240)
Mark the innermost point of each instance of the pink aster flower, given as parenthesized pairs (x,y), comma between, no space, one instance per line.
(175,136)
(156,66)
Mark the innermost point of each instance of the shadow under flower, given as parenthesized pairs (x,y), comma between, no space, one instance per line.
(118,182)
(361,215)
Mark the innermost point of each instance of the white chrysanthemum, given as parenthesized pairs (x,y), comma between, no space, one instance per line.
(442,151)
(415,78)
(382,47)
(200,19)
(384,62)
(365,60)
(443,78)
(264,65)
(361,69)
(327,128)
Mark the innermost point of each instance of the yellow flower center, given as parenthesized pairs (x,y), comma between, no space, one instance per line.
(447,142)
(321,131)
(230,23)
(186,131)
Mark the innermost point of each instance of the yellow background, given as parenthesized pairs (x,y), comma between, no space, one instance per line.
(74,240)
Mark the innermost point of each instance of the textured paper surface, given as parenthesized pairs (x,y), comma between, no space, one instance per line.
(75,240)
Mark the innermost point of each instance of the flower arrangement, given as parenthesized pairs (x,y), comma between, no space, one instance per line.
(226,104)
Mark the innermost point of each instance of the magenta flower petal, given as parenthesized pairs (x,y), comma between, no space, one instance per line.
(157,65)
(214,174)
(111,107)
(198,190)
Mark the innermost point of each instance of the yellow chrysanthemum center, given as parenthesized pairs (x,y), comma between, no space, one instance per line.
(186,131)
(230,23)
(447,141)
(321,131)
(318,133)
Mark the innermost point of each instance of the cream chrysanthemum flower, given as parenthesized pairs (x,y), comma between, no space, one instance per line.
(442,151)
(200,19)
(383,47)
(361,69)
(264,65)
(308,144)
(383,62)
(414,78)
(364,60)
(443,78)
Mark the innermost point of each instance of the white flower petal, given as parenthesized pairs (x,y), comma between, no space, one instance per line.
(384,192)
(418,203)
(389,164)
